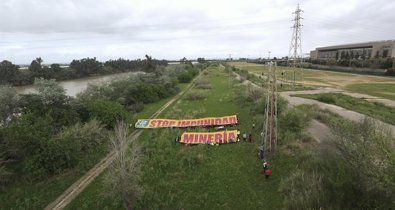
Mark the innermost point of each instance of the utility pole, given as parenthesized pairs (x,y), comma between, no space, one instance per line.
(229,70)
(268,57)
(270,125)
(295,50)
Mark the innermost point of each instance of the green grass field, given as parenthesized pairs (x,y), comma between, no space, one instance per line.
(383,90)
(375,110)
(36,195)
(176,176)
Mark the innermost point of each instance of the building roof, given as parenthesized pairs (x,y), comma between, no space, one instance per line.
(355,45)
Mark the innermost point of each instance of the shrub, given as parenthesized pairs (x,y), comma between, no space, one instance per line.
(326,98)
(107,112)
(196,95)
(390,72)
(185,77)
(88,135)
(202,84)
(302,190)
(254,93)
(294,120)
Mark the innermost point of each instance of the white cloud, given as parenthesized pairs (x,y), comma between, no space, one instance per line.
(62,30)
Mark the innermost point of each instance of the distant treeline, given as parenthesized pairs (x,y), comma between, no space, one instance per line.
(388,64)
(11,74)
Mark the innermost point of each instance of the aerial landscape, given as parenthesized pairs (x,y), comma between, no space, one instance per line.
(129,104)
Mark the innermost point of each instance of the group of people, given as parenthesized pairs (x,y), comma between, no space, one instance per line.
(261,156)
(245,136)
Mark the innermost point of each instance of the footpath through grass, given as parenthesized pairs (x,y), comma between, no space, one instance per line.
(372,109)
(175,176)
(36,195)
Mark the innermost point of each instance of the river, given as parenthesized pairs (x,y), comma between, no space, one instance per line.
(75,86)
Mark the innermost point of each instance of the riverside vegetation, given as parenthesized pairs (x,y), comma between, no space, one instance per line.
(48,140)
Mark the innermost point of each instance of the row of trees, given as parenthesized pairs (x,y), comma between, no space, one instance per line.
(372,63)
(47,133)
(11,74)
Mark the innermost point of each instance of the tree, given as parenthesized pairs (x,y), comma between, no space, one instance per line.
(50,91)
(149,65)
(385,53)
(107,112)
(8,72)
(342,55)
(36,68)
(201,60)
(9,104)
(55,68)
(86,66)
(122,179)
(51,99)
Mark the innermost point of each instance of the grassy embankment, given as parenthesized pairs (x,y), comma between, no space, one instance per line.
(382,90)
(314,77)
(372,109)
(175,176)
(27,194)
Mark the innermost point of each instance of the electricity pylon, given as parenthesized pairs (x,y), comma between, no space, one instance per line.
(295,50)
(270,125)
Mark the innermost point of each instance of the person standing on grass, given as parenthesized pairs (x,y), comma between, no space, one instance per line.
(250,137)
(253,125)
(245,136)
(267,172)
(264,164)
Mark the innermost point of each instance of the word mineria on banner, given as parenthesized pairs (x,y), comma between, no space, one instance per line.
(222,137)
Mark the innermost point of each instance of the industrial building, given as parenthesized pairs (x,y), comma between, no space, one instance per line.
(383,49)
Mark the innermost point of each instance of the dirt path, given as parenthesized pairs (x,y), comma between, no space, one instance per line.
(351,115)
(316,129)
(386,102)
(75,189)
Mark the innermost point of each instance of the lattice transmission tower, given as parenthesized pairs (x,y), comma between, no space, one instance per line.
(295,56)
(270,125)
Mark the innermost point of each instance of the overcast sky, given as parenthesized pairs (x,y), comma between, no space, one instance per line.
(62,30)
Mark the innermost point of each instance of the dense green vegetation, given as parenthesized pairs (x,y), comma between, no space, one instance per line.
(352,170)
(375,110)
(382,90)
(48,140)
(305,175)
(10,74)
(176,176)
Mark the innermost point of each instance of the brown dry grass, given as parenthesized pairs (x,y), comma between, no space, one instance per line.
(317,77)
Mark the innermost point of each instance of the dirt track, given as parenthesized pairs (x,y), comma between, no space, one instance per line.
(348,114)
(75,189)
